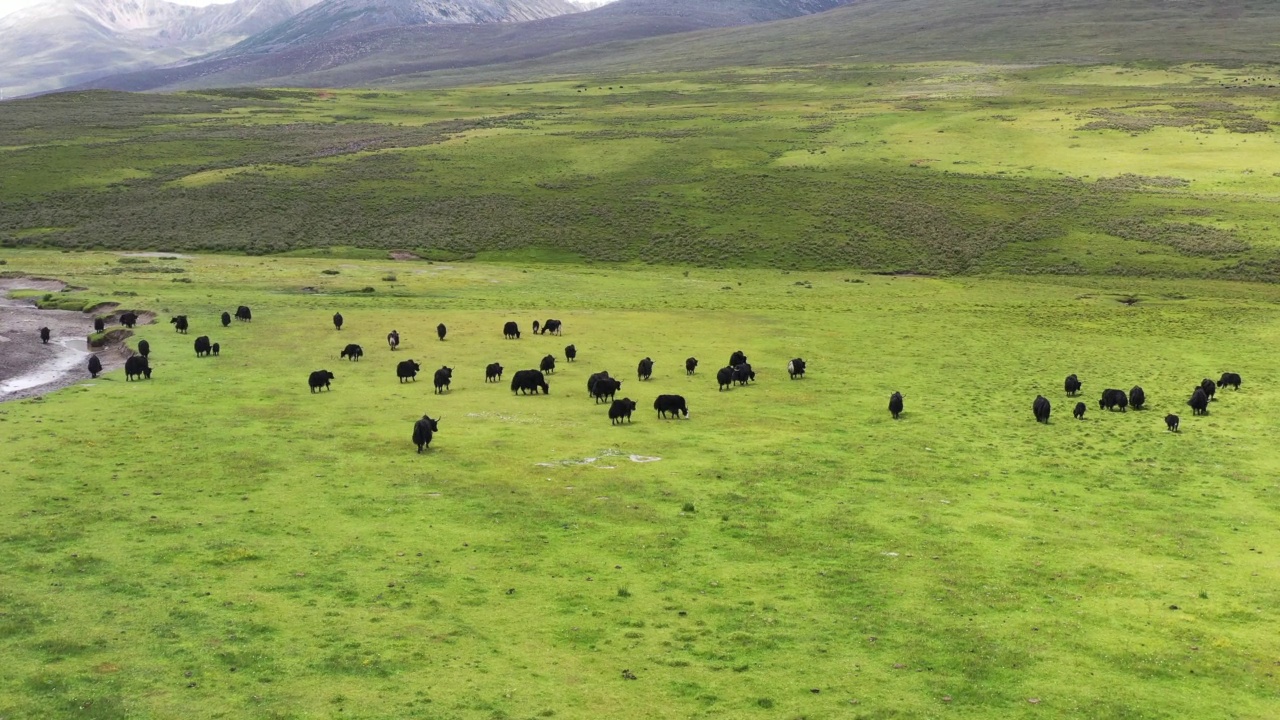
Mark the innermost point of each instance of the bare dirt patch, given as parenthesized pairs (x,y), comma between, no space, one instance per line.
(29,367)
(402,255)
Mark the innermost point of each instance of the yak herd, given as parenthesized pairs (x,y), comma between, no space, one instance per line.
(1113,399)
(603,388)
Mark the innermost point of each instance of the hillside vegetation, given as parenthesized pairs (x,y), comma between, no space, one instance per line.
(219,542)
(941,169)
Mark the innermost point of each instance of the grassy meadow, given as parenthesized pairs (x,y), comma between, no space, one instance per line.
(944,168)
(218,542)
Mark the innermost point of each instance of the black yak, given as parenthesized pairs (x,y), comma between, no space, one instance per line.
(551,326)
(1210,388)
(1229,378)
(99,324)
(548,364)
(179,323)
(1199,402)
(45,333)
(243,313)
(320,379)
(529,381)
(441,331)
(795,368)
(725,378)
(95,366)
(1072,385)
(1041,409)
(673,404)
(393,339)
(337,320)
(493,372)
(352,352)
(443,377)
(621,409)
(737,358)
(1078,413)
(129,319)
(1171,422)
(511,331)
(423,430)
(1112,399)
(645,369)
(690,365)
(136,367)
(226,319)
(743,373)
(1137,397)
(144,348)
(570,353)
(895,404)
(202,346)
(407,370)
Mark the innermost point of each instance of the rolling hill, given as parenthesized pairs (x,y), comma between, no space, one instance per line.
(632,35)
(287,56)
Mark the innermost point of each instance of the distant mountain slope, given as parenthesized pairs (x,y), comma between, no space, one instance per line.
(374,56)
(65,42)
(976,30)
(336,18)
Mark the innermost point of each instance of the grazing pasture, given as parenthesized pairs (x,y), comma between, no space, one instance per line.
(220,542)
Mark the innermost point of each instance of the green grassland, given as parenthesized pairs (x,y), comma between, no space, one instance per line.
(942,168)
(218,542)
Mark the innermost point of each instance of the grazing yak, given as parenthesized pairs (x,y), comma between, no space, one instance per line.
(593,379)
(621,409)
(1199,402)
(607,388)
(215,349)
(570,353)
(529,381)
(444,376)
(243,314)
(493,372)
(511,331)
(1078,413)
(551,326)
(690,366)
(95,366)
(226,319)
(644,370)
(1112,399)
(337,320)
(1041,409)
(202,346)
(1137,397)
(441,331)
(895,404)
(129,319)
(407,370)
(136,367)
(536,327)
(1229,378)
(1209,387)
(1072,385)
(179,323)
(423,430)
(320,379)
(1171,422)
(737,358)
(99,324)
(352,352)
(144,348)
(725,377)
(673,404)
(743,373)
(548,364)
(393,339)
(795,368)
(45,333)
